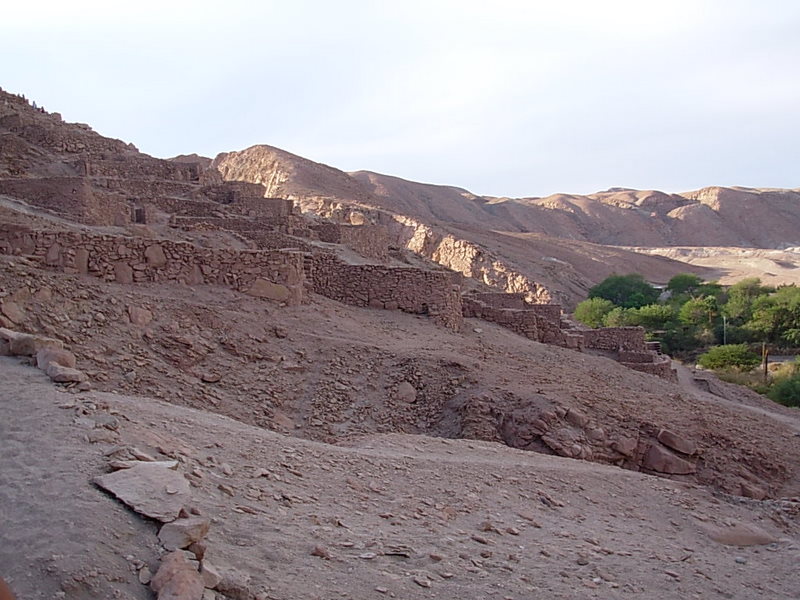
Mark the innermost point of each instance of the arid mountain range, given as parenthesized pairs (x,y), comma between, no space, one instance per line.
(554,240)
(253,378)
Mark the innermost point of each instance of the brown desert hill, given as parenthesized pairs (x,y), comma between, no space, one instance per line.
(447,225)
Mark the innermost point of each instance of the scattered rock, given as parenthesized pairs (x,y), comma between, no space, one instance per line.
(12,312)
(46,356)
(210,377)
(140,317)
(25,344)
(661,460)
(181,533)
(177,579)
(210,574)
(406,392)
(676,442)
(61,374)
(751,490)
(625,446)
(577,418)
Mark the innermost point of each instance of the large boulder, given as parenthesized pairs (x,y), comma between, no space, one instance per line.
(61,374)
(177,579)
(677,442)
(26,344)
(182,533)
(661,460)
(47,356)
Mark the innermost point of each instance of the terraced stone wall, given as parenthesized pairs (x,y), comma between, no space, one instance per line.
(418,291)
(273,274)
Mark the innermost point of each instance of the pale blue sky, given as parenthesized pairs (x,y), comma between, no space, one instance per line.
(505,98)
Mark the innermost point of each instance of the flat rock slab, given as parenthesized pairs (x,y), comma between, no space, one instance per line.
(151,489)
(740,534)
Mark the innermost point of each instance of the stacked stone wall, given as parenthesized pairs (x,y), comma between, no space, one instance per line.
(263,207)
(185,207)
(73,197)
(230,192)
(615,338)
(659,365)
(370,241)
(418,291)
(267,236)
(145,189)
(142,167)
(277,275)
(502,300)
(521,321)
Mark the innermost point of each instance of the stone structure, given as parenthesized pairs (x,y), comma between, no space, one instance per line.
(277,275)
(543,323)
(627,345)
(418,291)
(540,322)
(370,241)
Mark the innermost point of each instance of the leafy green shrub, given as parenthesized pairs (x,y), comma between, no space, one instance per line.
(736,356)
(627,291)
(618,317)
(786,391)
(684,283)
(591,312)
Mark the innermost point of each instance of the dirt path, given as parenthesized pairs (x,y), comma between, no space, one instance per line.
(776,412)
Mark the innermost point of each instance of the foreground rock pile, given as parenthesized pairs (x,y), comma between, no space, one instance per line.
(47,354)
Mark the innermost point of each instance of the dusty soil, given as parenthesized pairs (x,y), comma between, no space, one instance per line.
(392,515)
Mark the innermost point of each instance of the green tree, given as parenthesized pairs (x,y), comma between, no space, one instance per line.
(653,317)
(741,295)
(736,356)
(592,311)
(777,317)
(618,317)
(684,283)
(627,291)
(699,312)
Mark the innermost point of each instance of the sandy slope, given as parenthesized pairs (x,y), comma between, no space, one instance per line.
(399,516)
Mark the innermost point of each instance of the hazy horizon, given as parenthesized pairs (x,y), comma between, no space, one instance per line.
(519,99)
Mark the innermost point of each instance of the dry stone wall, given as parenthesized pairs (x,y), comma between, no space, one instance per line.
(72,197)
(614,339)
(659,365)
(418,291)
(540,322)
(370,241)
(521,321)
(277,275)
(141,167)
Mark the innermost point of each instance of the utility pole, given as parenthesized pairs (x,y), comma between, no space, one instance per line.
(764,358)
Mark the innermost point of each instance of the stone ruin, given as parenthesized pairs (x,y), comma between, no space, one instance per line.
(544,323)
(284,256)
